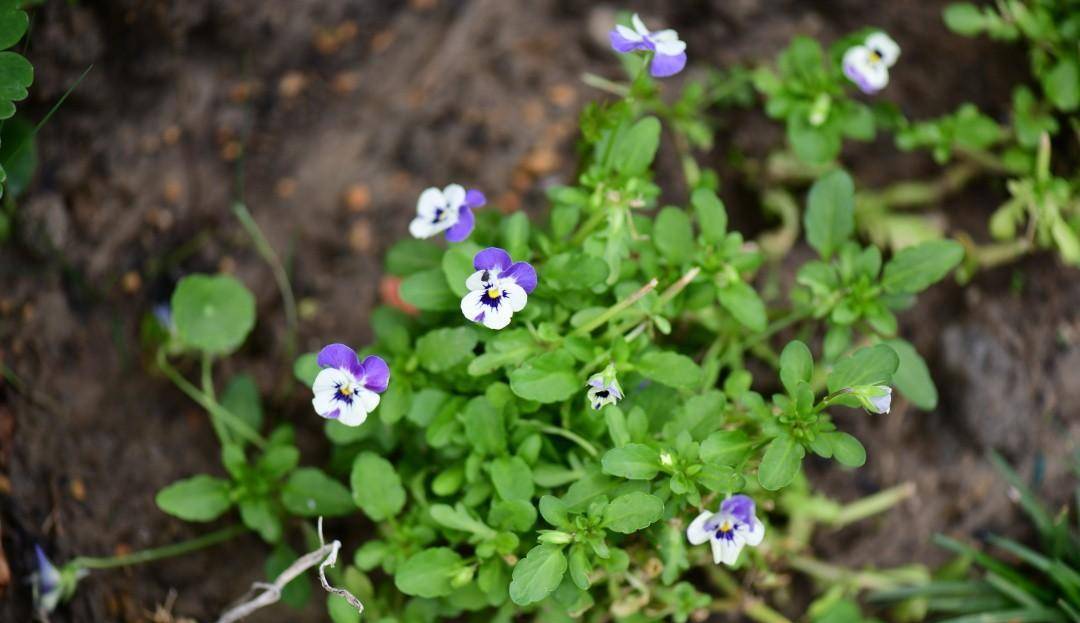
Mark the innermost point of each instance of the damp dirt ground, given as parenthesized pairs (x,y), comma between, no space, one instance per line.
(337,114)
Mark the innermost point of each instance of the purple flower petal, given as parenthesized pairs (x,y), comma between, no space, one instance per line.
(475,199)
(332,415)
(341,357)
(862,81)
(492,257)
(464,226)
(623,45)
(523,274)
(376,374)
(739,506)
(663,65)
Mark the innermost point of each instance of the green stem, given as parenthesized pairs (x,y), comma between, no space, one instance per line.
(758,611)
(207,376)
(281,276)
(215,410)
(775,327)
(610,86)
(158,553)
(833,574)
(668,294)
(562,432)
(615,309)
(589,226)
(872,504)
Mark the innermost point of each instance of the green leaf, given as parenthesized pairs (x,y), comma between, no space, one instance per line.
(460,519)
(309,493)
(16,74)
(964,18)
(632,512)
(516,515)
(428,573)
(484,427)
(846,449)
(18,154)
(442,349)
(912,377)
(636,147)
(554,511)
(427,290)
(258,514)
(720,478)
(213,314)
(457,265)
(199,498)
(537,575)
(340,610)
(514,234)
(743,302)
(796,366)
(1062,84)
(551,377)
(13,24)
(674,236)
(711,215)
(298,591)
(411,256)
(830,212)
(574,271)
(512,478)
(781,462)
(633,461)
(241,398)
(580,567)
(671,369)
(873,365)
(376,487)
(306,368)
(726,447)
(812,144)
(278,461)
(915,268)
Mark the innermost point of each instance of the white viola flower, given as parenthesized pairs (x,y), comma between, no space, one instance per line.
(448,210)
(878,399)
(604,389)
(348,389)
(497,289)
(669,56)
(728,530)
(867,65)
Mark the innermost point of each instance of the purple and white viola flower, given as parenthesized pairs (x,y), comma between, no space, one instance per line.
(728,530)
(46,583)
(604,388)
(448,210)
(348,389)
(867,65)
(497,289)
(876,398)
(669,56)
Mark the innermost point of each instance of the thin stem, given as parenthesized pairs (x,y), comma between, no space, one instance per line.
(669,293)
(215,410)
(602,83)
(281,276)
(777,326)
(562,432)
(872,504)
(615,309)
(26,140)
(758,611)
(158,553)
(589,226)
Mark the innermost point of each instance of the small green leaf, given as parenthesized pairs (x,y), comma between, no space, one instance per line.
(551,377)
(411,256)
(484,427)
(574,271)
(711,215)
(442,349)
(16,74)
(213,314)
(306,368)
(912,377)
(636,147)
(743,302)
(258,514)
(671,369)
(796,366)
(727,447)
(830,212)
(428,573)
(781,462)
(873,365)
(427,290)
(199,498)
(847,450)
(514,234)
(376,487)
(457,265)
(537,575)
(309,493)
(632,512)
(241,398)
(674,236)
(1062,84)
(914,269)
(13,24)
(633,461)
(964,18)
(720,478)
(512,478)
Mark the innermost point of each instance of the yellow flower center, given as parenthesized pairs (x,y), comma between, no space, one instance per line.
(345,390)
(494,293)
(875,57)
(725,527)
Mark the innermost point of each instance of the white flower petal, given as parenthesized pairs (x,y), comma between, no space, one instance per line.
(755,533)
(430,200)
(354,414)
(472,306)
(323,402)
(695,532)
(514,295)
(498,317)
(725,551)
(628,34)
(884,45)
(475,280)
(666,34)
(330,379)
(870,74)
(455,196)
(670,48)
(639,25)
(422,227)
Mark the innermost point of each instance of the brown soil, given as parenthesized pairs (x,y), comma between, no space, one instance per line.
(340,112)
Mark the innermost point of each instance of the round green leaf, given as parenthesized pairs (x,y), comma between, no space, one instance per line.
(427,574)
(199,498)
(376,487)
(537,575)
(213,314)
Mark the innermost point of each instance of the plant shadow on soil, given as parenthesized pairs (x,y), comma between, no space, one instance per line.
(343,112)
